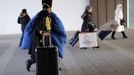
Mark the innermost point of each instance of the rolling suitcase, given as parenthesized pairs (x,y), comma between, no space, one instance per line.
(88,39)
(74,39)
(47,59)
(103,34)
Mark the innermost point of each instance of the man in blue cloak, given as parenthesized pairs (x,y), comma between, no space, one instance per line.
(36,27)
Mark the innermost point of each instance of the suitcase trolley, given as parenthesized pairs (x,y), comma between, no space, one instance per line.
(74,39)
(103,34)
(47,58)
(88,39)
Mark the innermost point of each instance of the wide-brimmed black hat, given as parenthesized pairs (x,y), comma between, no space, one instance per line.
(49,2)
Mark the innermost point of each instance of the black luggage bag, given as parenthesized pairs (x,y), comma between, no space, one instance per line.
(47,60)
(74,39)
(103,34)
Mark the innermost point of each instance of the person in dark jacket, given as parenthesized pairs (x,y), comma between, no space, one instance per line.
(88,24)
(23,19)
(38,27)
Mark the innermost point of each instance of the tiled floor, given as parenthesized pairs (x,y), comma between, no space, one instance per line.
(114,57)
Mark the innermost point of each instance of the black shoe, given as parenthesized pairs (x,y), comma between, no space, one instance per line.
(28,65)
(113,38)
(60,68)
(125,37)
(96,47)
(83,48)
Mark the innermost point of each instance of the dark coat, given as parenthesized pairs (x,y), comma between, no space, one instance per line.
(88,24)
(23,21)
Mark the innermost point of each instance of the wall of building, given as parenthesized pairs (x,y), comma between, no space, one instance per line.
(103,10)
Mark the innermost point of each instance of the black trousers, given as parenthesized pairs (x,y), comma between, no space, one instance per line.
(123,33)
(31,52)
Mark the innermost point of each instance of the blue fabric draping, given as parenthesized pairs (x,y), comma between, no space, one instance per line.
(58,34)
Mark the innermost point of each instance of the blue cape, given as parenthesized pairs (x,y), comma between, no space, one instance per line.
(58,34)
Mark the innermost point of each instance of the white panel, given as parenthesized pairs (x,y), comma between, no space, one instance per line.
(10,10)
(68,10)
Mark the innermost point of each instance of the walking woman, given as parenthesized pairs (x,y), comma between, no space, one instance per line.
(88,24)
(118,17)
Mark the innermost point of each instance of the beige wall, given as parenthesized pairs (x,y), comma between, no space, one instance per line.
(103,10)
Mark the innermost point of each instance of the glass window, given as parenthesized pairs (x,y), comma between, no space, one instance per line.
(131,13)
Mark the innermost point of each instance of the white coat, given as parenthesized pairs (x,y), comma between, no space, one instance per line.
(118,17)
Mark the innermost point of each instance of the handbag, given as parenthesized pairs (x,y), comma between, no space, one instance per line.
(122,21)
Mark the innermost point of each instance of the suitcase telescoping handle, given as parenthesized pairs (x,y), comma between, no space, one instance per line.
(47,41)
